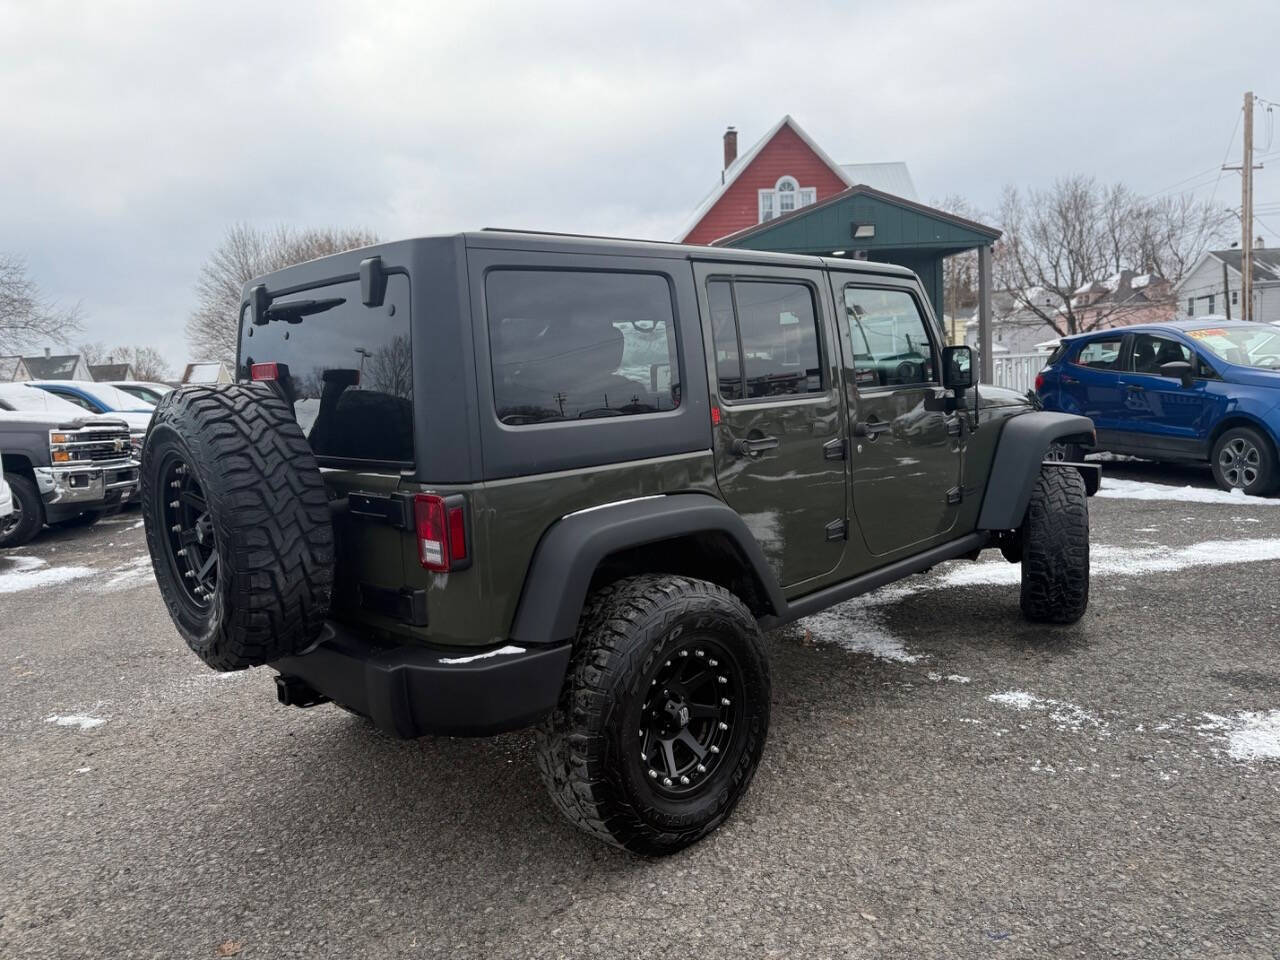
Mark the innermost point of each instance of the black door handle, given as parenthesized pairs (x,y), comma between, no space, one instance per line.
(1070,380)
(870,428)
(752,448)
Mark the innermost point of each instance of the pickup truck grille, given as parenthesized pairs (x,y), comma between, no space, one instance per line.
(91,444)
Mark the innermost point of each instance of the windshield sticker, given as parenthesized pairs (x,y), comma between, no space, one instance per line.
(1207,334)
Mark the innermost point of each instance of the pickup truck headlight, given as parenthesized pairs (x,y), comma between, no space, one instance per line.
(61,456)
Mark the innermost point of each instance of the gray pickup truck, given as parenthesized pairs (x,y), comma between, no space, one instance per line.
(64,467)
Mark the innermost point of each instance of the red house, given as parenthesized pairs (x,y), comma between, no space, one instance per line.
(784,171)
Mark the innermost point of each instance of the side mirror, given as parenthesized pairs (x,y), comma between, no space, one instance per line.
(957,368)
(1178,368)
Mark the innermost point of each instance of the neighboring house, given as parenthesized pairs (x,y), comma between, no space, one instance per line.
(1122,299)
(784,171)
(67,366)
(1201,292)
(207,372)
(111,372)
(13,368)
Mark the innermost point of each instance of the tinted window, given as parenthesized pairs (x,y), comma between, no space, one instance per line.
(1151,353)
(578,346)
(1100,354)
(766,338)
(75,398)
(888,338)
(1057,354)
(347,368)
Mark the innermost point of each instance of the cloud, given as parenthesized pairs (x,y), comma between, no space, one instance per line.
(135,133)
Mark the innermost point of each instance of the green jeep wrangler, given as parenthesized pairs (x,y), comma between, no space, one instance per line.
(475,483)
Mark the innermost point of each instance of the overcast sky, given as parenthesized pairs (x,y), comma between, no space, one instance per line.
(134,134)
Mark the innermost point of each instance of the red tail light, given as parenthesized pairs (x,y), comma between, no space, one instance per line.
(264,371)
(1039,381)
(442,532)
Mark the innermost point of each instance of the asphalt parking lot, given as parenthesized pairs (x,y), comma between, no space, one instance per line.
(942,779)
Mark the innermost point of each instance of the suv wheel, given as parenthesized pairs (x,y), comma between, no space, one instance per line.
(28,512)
(663,717)
(1243,460)
(1055,548)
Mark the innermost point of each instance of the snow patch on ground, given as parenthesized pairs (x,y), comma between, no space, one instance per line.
(1065,715)
(1120,489)
(1249,736)
(856,627)
(134,573)
(950,677)
(26,573)
(500,652)
(1126,561)
(82,720)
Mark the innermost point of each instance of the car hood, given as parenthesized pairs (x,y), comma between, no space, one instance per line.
(55,422)
(136,419)
(992,396)
(1252,376)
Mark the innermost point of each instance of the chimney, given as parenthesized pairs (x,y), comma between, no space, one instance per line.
(46,351)
(1258,244)
(730,147)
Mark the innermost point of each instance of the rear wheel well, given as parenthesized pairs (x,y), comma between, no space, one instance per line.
(709,555)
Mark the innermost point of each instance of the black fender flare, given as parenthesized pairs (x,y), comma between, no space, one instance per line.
(568,554)
(1019,453)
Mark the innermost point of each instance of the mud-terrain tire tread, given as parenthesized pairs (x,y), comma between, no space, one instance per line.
(619,632)
(32,511)
(271,520)
(1055,548)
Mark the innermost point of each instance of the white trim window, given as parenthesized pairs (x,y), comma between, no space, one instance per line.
(786,196)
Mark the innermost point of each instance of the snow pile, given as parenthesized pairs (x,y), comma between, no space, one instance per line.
(1118,489)
(26,573)
(134,573)
(1250,736)
(1066,716)
(82,720)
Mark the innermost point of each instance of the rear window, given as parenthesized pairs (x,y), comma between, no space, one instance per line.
(568,345)
(1100,354)
(349,368)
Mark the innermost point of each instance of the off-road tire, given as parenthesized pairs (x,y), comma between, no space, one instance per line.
(1055,548)
(27,497)
(1266,472)
(269,518)
(587,750)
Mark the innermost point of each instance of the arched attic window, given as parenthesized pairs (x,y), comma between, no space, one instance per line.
(787,195)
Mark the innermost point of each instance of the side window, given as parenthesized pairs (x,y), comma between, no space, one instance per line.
(766,339)
(888,338)
(1151,353)
(571,345)
(75,398)
(1100,354)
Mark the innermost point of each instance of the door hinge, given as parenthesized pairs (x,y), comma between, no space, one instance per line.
(954,427)
(955,495)
(836,449)
(837,530)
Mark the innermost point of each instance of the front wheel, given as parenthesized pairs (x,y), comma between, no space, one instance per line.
(663,717)
(27,518)
(1243,460)
(1055,548)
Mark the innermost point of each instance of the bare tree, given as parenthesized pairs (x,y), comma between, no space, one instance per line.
(26,316)
(960,270)
(147,362)
(390,368)
(247,252)
(1079,231)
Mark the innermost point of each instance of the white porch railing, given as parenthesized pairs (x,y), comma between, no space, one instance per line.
(1017,371)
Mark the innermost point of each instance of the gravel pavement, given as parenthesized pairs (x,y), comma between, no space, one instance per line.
(942,779)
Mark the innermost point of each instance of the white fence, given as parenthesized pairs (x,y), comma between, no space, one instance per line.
(1017,371)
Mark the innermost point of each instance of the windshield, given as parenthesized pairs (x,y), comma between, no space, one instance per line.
(1248,345)
(18,396)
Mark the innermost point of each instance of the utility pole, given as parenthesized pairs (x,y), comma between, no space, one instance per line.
(1226,289)
(1246,213)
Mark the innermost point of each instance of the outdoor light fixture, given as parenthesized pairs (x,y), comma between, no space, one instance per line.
(837,253)
(864,231)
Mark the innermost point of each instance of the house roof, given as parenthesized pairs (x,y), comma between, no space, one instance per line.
(9,366)
(889,177)
(58,367)
(1266,262)
(106,372)
(859,189)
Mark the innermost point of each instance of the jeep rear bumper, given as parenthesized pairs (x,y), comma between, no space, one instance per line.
(411,691)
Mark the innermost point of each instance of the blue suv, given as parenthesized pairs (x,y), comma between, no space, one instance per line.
(1189,390)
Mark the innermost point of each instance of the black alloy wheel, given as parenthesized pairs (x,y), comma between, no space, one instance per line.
(191,549)
(689,720)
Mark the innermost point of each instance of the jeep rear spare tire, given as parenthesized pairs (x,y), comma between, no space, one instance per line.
(238,524)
